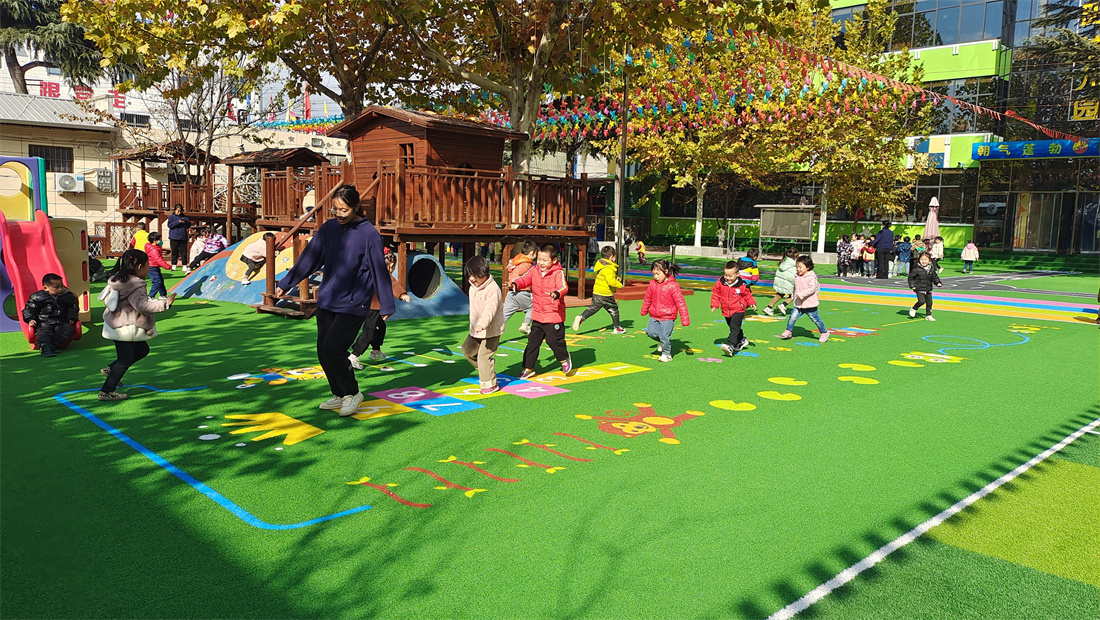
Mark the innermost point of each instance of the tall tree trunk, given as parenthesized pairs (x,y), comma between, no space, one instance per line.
(15,69)
(699,195)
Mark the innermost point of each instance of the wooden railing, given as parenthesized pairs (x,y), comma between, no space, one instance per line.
(282,191)
(413,196)
(438,197)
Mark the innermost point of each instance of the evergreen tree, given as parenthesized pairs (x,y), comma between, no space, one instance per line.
(36,26)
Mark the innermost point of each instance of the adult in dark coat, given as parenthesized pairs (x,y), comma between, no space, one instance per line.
(178,224)
(884,247)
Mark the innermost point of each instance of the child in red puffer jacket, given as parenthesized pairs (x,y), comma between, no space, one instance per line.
(663,301)
(732,294)
(547,283)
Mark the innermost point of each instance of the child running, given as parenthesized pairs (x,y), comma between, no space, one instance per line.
(969,256)
(750,271)
(156,263)
(784,281)
(374,328)
(806,301)
(641,252)
(128,319)
(519,301)
(603,291)
(663,301)
(921,279)
(734,297)
(548,288)
(52,313)
(486,323)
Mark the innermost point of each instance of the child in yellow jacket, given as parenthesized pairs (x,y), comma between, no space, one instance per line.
(603,291)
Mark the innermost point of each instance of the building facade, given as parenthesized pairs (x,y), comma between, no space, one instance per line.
(975,51)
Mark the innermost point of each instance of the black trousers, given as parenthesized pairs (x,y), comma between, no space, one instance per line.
(179,250)
(53,335)
(126,355)
(200,259)
(553,334)
(882,264)
(335,333)
(924,298)
(253,266)
(605,302)
(736,334)
(373,335)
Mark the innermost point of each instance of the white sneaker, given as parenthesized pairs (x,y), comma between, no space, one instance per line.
(912,313)
(665,358)
(246,282)
(186,270)
(333,403)
(728,350)
(929,318)
(768,311)
(173,267)
(355,363)
(577,323)
(525,328)
(824,338)
(782,309)
(376,356)
(351,404)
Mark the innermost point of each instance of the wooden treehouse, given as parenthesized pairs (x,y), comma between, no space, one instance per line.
(430,180)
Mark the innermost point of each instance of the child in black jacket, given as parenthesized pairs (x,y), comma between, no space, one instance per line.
(53,313)
(921,279)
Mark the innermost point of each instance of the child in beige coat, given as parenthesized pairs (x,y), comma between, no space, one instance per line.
(486,323)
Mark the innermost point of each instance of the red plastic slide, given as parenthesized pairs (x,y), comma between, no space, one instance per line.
(28,255)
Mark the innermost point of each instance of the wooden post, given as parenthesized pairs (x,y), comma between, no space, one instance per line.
(400,219)
(269,268)
(228,203)
(402,265)
(508,197)
(141,190)
(582,266)
(442,253)
(303,286)
(467,253)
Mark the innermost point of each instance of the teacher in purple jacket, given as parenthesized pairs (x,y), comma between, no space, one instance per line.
(884,247)
(350,249)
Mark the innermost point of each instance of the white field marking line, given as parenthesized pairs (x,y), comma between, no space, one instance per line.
(880,554)
(1093,432)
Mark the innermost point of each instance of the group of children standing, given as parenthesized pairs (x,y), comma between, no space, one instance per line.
(855,256)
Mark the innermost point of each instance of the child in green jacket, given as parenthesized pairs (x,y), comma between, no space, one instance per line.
(603,291)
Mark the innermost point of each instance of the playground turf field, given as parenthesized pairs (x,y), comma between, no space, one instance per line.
(201,497)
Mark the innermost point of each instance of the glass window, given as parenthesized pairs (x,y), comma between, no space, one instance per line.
(994,16)
(1023,10)
(1021,34)
(970,23)
(924,34)
(947,26)
(903,32)
(925,5)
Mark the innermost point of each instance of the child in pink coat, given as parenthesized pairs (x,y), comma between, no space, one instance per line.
(805,300)
(662,302)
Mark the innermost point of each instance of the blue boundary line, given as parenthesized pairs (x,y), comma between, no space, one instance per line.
(201,487)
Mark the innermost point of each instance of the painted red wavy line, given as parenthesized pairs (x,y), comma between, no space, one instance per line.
(448,483)
(395,496)
(591,443)
(514,455)
(483,472)
(553,451)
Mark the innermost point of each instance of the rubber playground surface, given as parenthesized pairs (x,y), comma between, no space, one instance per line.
(753,482)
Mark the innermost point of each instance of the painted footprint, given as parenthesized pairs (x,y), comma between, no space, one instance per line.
(786,381)
(857,367)
(730,405)
(859,380)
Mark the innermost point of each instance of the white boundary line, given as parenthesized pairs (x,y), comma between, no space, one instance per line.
(880,554)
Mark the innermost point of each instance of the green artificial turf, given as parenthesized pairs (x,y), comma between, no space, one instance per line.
(751,509)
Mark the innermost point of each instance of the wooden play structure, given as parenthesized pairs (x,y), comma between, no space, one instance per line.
(427,180)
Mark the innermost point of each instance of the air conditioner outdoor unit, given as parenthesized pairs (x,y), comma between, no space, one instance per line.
(66,182)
